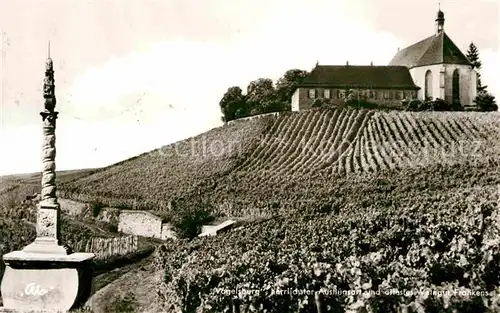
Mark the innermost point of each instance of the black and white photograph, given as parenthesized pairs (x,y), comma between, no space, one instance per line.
(248,156)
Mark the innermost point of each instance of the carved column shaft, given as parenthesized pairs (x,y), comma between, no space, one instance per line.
(48,158)
(48,228)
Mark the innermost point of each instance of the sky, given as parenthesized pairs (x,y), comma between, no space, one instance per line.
(135,75)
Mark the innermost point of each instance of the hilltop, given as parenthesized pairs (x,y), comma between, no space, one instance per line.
(275,161)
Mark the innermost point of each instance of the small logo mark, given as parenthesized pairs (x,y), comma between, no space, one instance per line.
(33,289)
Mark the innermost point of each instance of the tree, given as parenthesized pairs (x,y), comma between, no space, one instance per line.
(473,56)
(286,85)
(261,96)
(486,101)
(233,104)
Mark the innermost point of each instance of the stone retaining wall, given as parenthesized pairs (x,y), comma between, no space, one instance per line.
(144,223)
(140,223)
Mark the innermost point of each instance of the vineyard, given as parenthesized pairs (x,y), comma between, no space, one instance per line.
(150,180)
(356,211)
(347,141)
(411,241)
(289,158)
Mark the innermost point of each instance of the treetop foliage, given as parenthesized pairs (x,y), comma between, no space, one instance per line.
(486,101)
(473,56)
(262,96)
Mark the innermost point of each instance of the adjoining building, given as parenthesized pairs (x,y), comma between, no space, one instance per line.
(431,68)
(384,85)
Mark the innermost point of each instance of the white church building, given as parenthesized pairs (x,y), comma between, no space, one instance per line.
(431,68)
(438,66)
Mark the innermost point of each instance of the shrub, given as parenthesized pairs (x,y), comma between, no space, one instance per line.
(457,106)
(322,103)
(191,218)
(425,105)
(96,208)
(486,102)
(432,105)
(440,105)
(412,105)
(361,104)
(317,103)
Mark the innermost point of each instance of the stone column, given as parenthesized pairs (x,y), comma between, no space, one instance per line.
(45,276)
(48,213)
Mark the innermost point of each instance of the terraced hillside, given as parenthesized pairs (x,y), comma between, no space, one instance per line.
(271,153)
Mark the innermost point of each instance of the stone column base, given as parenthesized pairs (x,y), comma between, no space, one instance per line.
(45,281)
(46,247)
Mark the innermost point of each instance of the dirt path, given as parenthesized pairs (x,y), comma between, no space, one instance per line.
(131,288)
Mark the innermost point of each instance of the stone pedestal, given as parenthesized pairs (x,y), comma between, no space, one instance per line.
(46,281)
(47,230)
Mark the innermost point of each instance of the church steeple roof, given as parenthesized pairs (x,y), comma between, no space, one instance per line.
(436,49)
(440,21)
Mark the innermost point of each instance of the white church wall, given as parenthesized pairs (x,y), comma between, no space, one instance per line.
(467,81)
(295,100)
(418,75)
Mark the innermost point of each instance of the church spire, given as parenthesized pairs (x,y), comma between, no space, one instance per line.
(440,19)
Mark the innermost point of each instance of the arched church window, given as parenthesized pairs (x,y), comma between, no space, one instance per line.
(456,86)
(428,84)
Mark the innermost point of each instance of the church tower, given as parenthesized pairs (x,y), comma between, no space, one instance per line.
(440,22)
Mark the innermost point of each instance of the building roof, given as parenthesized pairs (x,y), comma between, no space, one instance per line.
(369,76)
(436,49)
